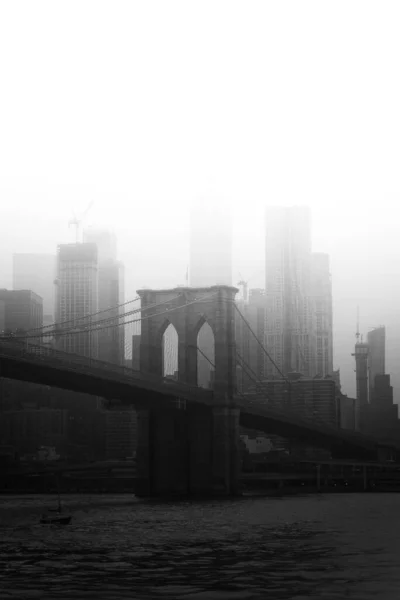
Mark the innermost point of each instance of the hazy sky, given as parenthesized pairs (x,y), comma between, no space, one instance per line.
(146,106)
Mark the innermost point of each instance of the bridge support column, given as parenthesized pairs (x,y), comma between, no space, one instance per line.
(161,458)
(226,457)
(192,452)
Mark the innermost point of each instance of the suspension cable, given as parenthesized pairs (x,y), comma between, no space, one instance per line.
(99,312)
(88,330)
(202,353)
(96,323)
(261,345)
(257,379)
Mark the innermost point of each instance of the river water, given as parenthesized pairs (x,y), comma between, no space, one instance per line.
(318,546)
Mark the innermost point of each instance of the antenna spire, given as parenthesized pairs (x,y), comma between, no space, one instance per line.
(358,324)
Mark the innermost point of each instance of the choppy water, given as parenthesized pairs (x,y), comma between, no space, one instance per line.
(339,546)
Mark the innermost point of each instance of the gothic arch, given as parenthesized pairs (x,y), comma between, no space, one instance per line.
(170,350)
(205,355)
(189,309)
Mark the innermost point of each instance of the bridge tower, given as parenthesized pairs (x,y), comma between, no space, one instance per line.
(194,450)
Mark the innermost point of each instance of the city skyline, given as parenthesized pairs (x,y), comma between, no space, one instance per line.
(142,145)
(176,263)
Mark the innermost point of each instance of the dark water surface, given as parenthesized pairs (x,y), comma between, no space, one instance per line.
(338,546)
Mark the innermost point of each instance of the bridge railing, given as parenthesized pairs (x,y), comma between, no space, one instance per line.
(285,412)
(314,423)
(29,351)
(286,409)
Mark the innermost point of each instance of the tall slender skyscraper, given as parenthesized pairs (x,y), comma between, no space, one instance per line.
(376,356)
(321,290)
(210,246)
(289,306)
(110,294)
(247,346)
(77,297)
(210,264)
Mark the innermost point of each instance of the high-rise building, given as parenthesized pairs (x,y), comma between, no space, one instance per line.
(110,294)
(376,356)
(250,351)
(37,272)
(313,399)
(321,291)
(105,241)
(20,310)
(210,246)
(110,339)
(290,331)
(210,264)
(361,356)
(382,413)
(77,298)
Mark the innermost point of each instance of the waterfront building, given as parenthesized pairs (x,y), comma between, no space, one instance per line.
(36,272)
(376,340)
(20,310)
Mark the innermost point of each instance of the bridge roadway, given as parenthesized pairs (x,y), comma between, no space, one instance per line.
(44,365)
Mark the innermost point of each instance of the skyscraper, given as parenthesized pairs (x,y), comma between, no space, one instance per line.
(247,346)
(37,272)
(110,294)
(20,310)
(210,246)
(361,356)
(210,264)
(321,291)
(77,297)
(289,306)
(105,241)
(376,356)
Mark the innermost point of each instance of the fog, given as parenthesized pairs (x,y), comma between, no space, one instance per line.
(145,107)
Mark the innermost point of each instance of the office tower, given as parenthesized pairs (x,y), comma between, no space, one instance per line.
(110,339)
(20,310)
(376,356)
(76,298)
(210,246)
(313,399)
(37,272)
(321,291)
(246,345)
(105,241)
(110,295)
(120,433)
(289,306)
(382,413)
(210,264)
(28,429)
(361,356)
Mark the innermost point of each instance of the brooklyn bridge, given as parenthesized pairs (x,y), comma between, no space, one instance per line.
(188,436)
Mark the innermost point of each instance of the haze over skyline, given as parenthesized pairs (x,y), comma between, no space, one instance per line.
(147,107)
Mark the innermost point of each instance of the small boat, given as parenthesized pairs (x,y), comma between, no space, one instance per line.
(58,517)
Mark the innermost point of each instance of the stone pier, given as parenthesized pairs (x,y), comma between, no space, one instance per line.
(188,452)
(193,450)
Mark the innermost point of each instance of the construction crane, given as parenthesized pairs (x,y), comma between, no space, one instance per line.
(77,221)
